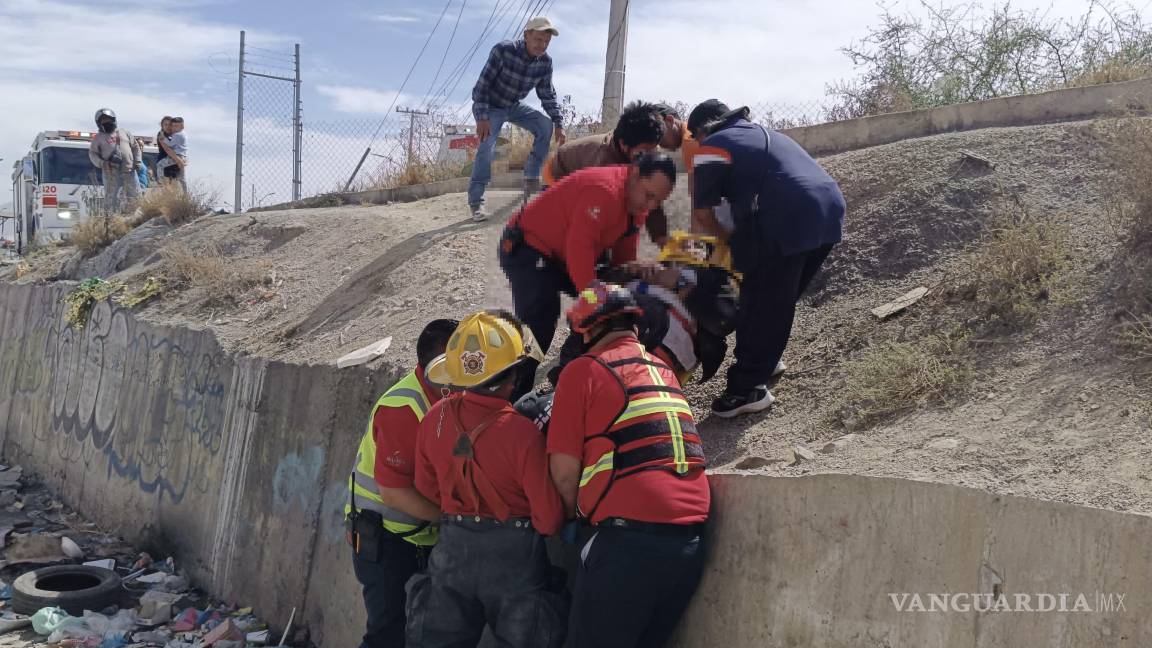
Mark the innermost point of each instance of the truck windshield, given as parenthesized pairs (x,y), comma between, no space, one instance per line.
(63,165)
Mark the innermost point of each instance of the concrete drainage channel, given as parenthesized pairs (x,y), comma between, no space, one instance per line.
(249,501)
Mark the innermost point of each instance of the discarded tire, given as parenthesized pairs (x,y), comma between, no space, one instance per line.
(74,588)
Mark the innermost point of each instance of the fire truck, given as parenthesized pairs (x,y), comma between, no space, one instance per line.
(55,185)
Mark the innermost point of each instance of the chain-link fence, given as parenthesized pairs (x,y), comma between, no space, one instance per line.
(400,149)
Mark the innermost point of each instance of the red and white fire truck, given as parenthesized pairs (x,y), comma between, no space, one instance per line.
(54,184)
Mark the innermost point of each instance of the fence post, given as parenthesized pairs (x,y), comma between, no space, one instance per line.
(297,133)
(237,207)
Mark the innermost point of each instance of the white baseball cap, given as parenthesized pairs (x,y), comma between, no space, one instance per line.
(540,23)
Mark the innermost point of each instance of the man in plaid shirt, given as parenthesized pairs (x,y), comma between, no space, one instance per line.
(513,69)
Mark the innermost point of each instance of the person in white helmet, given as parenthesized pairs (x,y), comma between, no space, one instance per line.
(118,156)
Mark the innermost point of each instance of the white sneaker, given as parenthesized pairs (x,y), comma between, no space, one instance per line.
(780,368)
(479,214)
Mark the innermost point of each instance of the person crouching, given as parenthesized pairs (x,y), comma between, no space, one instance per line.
(486,467)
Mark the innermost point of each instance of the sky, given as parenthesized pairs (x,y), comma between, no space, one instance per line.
(61,60)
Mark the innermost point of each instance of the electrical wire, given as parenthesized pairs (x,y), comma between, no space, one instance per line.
(388,113)
(443,58)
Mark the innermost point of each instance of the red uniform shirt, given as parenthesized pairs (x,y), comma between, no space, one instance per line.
(510,452)
(588,400)
(394,430)
(580,218)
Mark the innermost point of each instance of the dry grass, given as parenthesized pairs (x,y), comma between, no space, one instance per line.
(223,279)
(1129,217)
(98,232)
(171,203)
(1113,71)
(897,377)
(1017,266)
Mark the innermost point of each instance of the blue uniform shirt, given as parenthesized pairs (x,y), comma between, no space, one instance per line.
(781,197)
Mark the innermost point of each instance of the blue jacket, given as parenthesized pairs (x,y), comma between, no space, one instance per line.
(783,201)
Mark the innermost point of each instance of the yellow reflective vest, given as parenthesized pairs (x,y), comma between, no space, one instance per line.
(365,492)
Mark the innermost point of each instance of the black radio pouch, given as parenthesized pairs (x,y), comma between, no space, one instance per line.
(365,528)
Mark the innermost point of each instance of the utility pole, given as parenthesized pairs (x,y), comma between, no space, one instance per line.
(236,207)
(613,103)
(412,114)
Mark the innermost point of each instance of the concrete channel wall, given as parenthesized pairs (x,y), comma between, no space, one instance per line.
(238,467)
(1069,104)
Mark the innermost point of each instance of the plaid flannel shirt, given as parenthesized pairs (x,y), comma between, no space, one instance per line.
(508,77)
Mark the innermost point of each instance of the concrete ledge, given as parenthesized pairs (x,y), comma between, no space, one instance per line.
(1070,104)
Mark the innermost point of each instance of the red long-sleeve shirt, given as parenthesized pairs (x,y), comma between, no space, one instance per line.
(394,430)
(510,452)
(580,218)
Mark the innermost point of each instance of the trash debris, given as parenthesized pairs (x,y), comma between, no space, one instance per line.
(47,620)
(5,591)
(143,561)
(187,621)
(365,354)
(226,631)
(34,548)
(156,607)
(15,623)
(70,548)
(155,578)
(7,497)
(900,303)
(260,637)
(107,563)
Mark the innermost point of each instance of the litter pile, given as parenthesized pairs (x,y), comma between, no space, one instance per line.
(64,583)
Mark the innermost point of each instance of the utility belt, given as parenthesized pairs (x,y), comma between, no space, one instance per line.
(655,528)
(481,522)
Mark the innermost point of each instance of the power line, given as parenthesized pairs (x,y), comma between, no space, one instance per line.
(451,39)
(409,75)
(459,68)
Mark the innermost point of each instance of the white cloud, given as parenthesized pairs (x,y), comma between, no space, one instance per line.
(393,19)
(101,40)
(368,101)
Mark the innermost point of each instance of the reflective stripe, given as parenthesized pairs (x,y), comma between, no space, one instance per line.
(678,459)
(401,396)
(645,406)
(602,464)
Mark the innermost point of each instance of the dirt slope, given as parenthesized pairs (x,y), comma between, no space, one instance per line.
(1054,412)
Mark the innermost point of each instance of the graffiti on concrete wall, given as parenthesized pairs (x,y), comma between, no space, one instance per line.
(297,478)
(151,402)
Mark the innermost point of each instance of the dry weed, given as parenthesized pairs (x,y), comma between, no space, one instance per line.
(98,232)
(1130,219)
(207,268)
(896,377)
(1135,334)
(171,203)
(1014,271)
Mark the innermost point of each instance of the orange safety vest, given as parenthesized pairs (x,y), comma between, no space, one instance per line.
(653,431)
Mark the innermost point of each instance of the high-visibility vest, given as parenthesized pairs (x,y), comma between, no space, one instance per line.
(654,430)
(365,492)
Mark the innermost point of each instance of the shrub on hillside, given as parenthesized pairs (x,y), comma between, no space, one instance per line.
(221,278)
(98,232)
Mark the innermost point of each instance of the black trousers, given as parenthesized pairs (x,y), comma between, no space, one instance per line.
(768,295)
(486,576)
(536,286)
(383,584)
(633,587)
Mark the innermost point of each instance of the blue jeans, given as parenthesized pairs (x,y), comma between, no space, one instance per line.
(529,119)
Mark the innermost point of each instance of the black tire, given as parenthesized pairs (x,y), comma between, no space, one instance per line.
(74,588)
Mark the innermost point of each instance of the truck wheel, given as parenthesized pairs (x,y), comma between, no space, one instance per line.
(74,588)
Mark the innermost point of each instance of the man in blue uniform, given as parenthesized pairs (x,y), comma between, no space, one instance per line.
(788,214)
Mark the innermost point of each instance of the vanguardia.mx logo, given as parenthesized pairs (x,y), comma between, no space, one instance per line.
(1097,602)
